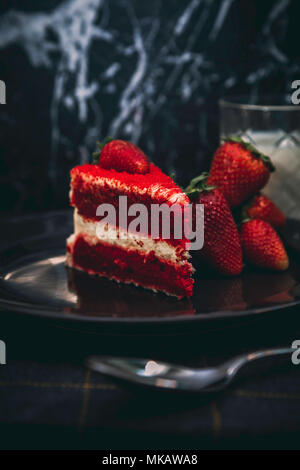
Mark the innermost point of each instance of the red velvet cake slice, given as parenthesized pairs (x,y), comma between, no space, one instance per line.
(115,251)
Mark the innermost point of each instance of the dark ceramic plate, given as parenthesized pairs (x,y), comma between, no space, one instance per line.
(35,281)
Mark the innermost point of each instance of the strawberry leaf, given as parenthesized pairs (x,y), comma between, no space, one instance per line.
(95,157)
(100,146)
(172,175)
(198,185)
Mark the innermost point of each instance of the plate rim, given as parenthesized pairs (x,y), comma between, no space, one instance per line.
(32,310)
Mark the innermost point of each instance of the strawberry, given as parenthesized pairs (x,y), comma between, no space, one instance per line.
(262,246)
(239,170)
(261,207)
(121,155)
(222,247)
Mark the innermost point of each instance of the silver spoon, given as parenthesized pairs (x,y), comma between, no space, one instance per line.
(170,376)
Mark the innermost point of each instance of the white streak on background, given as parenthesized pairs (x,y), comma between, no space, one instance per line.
(223,11)
(277,10)
(270,45)
(185,18)
(129,100)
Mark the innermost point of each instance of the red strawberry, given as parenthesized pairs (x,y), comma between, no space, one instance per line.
(120,155)
(261,207)
(262,246)
(239,170)
(222,247)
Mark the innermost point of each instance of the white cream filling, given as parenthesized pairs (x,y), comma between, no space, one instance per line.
(97,231)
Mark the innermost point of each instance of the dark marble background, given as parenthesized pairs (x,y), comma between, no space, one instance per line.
(150,71)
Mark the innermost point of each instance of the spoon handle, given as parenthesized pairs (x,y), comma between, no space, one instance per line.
(243,363)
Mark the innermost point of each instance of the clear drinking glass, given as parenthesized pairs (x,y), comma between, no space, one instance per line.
(273,129)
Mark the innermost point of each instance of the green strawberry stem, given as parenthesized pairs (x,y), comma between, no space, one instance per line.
(100,146)
(244,217)
(172,175)
(198,185)
(253,150)
(241,215)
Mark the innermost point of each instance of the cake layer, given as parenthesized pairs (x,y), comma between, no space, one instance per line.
(143,269)
(115,236)
(92,186)
(155,185)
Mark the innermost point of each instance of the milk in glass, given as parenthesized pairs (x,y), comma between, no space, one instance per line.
(284,184)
